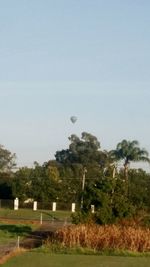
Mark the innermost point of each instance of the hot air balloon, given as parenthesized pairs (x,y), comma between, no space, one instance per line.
(73,119)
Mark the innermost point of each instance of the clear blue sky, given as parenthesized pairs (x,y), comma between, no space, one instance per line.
(73,57)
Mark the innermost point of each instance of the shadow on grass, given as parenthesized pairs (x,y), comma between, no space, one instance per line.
(51,217)
(16,229)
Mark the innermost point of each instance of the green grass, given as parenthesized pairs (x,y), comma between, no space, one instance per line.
(56,248)
(29,214)
(9,232)
(34,259)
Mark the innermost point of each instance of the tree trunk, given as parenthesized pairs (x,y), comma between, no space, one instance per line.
(126,172)
(126,177)
(114,171)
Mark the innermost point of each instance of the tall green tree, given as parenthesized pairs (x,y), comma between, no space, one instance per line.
(6,185)
(139,188)
(81,151)
(7,160)
(21,183)
(84,152)
(129,151)
(83,161)
(44,183)
(7,163)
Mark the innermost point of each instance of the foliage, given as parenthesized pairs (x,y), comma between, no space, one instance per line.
(139,188)
(21,183)
(7,160)
(82,154)
(39,183)
(129,151)
(82,217)
(80,150)
(86,175)
(5,185)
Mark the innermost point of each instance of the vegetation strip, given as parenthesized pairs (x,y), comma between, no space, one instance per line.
(103,238)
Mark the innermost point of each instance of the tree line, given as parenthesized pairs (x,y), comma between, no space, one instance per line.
(85,174)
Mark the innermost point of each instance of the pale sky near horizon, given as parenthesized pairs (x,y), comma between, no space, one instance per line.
(65,57)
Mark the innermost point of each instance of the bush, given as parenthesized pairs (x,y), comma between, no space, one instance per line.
(82,217)
(104,216)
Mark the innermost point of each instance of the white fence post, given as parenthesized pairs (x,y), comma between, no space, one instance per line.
(41,218)
(54,206)
(18,242)
(35,205)
(92,208)
(73,207)
(16,203)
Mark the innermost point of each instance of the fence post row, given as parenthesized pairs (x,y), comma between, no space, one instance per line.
(54,205)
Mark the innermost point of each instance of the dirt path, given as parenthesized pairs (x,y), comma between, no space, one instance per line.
(36,238)
(6,249)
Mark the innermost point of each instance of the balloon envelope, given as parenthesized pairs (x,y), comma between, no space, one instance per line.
(73,119)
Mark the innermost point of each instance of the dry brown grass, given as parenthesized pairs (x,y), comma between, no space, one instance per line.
(11,254)
(108,237)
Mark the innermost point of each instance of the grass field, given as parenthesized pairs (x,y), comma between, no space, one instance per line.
(29,214)
(9,232)
(34,259)
(14,223)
